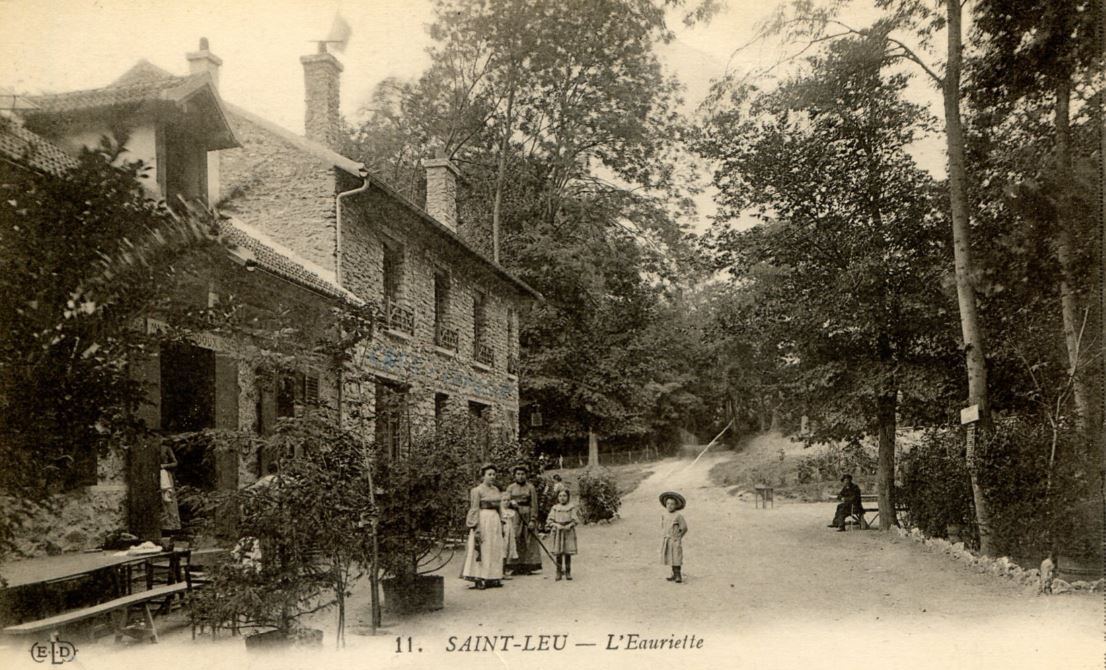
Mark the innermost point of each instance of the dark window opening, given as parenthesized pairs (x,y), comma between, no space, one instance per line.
(393,272)
(479,424)
(479,314)
(187,388)
(391,418)
(441,407)
(184,165)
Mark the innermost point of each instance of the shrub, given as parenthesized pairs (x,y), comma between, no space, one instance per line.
(853,457)
(936,487)
(1030,515)
(307,521)
(1032,512)
(422,499)
(598,495)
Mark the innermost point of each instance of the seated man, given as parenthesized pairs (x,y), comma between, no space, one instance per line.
(850,503)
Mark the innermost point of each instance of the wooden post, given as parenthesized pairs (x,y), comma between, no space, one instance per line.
(593,448)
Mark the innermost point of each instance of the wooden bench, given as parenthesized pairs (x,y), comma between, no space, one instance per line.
(118,608)
(869,503)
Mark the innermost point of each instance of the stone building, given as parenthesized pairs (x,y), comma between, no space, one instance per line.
(450,348)
(310,228)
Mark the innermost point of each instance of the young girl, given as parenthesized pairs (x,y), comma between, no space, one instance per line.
(510,526)
(674,528)
(562,526)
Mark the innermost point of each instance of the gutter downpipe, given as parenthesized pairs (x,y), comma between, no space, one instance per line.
(374,577)
(338,222)
(338,255)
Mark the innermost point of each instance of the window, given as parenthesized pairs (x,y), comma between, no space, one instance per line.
(397,316)
(479,424)
(512,342)
(441,408)
(187,388)
(283,396)
(183,162)
(479,314)
(444,335)
(481,350)
(391,418)
(510,428)
(393,271)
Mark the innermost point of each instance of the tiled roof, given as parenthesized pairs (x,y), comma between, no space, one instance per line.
(142,71)
(21,145)
(356,169)
(254,247)
(151,90)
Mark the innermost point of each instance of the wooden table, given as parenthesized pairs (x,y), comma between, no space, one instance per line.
(29,581)
(50,569)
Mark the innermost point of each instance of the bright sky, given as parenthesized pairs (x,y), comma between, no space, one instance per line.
(62,45)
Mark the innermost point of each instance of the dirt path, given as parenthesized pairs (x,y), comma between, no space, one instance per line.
(765,588)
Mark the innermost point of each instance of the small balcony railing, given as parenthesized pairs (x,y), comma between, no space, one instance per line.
(482,353)
(446,338)
(512,364)
(399,317)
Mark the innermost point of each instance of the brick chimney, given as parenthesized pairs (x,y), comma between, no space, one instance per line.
(321,75)
(204,61)
(441,190)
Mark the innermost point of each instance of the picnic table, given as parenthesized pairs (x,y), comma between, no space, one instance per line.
(63,567)
(29,610)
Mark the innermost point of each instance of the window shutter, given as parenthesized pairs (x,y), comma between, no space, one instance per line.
(226,392)
(146,369)
(266,404)
(311,389)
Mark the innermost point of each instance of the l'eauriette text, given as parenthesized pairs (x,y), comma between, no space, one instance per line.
(614,642)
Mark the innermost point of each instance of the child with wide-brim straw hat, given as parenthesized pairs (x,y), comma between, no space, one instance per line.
(673,528)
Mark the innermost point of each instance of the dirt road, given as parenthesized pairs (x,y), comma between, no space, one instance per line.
(765,588)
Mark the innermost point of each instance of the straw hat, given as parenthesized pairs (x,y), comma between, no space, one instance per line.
(680,502)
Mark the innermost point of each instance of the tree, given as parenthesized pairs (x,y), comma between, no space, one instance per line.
(923,21)
(1035,55)
(84,254)
(849,232)
(565,126)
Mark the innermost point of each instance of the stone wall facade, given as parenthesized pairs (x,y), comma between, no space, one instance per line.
(287,193)
(415,360)
(78,519)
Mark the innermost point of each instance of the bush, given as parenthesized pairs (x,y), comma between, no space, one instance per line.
(307,522)
(1032,513)
(853,458)
(422,499)
(936,487)
(598,495)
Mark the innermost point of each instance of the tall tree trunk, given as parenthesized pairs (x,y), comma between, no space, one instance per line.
(501,169)
(974,350)
(593,448)
(1069,302)
(887,403)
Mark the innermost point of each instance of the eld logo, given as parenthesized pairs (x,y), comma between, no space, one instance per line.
(55,651)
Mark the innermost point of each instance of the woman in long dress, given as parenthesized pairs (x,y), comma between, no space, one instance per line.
(487,546)
(170,513)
